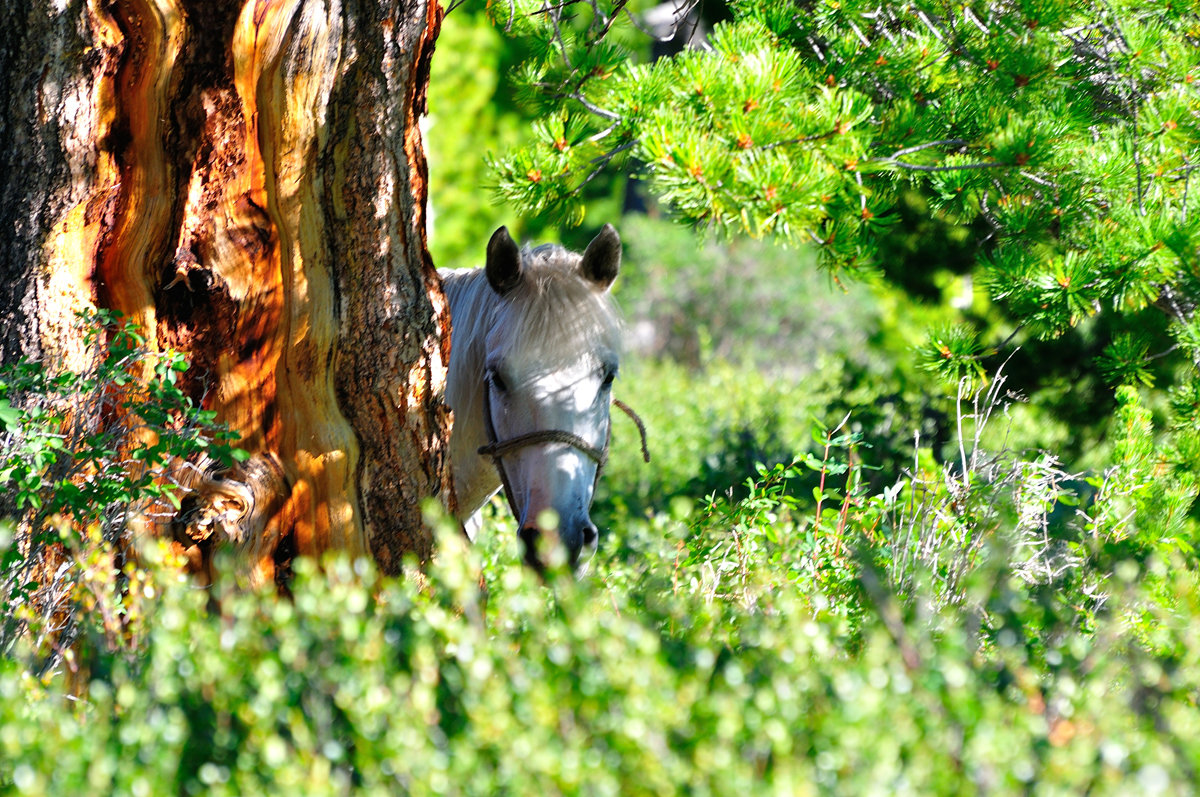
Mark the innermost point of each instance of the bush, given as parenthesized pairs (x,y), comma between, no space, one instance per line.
(657,678)
(732,418)
(693,300)
(86,459)
(783,641)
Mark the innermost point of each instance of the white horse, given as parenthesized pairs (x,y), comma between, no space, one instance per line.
(535,345)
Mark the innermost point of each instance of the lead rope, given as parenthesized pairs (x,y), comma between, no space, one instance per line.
(641,427)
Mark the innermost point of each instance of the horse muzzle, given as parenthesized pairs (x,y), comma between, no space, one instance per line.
(576,539)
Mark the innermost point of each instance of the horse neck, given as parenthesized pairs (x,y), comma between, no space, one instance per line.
(468,296)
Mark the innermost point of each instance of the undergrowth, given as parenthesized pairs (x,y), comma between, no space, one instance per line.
(993,624)
(88,459)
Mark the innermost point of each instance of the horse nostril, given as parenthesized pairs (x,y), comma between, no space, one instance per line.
(530,536)
(590,534)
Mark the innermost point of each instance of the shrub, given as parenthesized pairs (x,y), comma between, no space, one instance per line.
(783,641)
(642,679)
(86,459)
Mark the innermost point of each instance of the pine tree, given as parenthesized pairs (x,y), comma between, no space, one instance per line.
(1065,133)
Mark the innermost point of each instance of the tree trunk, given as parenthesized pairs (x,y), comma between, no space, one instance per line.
(247,184)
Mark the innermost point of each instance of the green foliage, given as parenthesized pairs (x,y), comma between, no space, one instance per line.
(473,114)
(1124,361)
(694,300)
(85,456)
(1058,137)
(952,352)
(754,645)
(1142,494)
(733,418)
(468,116)
(839,575)
(992,623)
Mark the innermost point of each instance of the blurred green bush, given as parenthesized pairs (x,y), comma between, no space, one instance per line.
(746,646)
(991,623)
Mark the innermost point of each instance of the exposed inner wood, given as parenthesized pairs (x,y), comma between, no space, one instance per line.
(251,192)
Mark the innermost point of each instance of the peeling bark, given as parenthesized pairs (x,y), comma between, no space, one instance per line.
(248,184)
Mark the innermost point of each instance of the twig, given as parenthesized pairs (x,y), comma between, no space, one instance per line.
(547,9)
(966,475)
(681,13)
(1161,354)
(606,157)
(801,140)
(596,109)
(603,161)
(603,134)
(1038,180)
(562,45)
(918,148)
(866,42)
(618,7)
(970,15)
(512,15)
(1187,176)
(958,167)
(1008,340)
(929,24)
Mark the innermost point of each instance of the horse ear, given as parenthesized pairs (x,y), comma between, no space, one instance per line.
(503,262)
(602,258)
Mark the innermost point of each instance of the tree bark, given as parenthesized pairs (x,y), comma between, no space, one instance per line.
(248,184)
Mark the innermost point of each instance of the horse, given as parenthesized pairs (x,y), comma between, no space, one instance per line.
(535,345)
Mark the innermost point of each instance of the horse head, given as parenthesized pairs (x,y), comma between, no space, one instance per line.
(550,356)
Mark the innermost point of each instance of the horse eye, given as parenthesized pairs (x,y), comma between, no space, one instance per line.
(497,381)
(609,378)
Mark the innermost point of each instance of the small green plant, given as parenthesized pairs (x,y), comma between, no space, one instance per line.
(87,458)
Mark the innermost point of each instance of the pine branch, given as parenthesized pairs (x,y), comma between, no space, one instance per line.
(800,140)
(920,167)
(596,109)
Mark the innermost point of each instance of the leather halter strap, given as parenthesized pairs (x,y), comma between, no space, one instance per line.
(496,449)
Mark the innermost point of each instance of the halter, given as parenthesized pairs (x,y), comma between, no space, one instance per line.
(496,449)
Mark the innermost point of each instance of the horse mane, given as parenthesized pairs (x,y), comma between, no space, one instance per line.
(550,318)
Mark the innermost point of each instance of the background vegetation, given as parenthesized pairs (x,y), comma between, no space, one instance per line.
(920,516)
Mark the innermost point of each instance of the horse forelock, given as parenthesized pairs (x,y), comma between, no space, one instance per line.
(554,316)
(552,319)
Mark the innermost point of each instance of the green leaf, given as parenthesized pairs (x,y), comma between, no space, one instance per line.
(9,416)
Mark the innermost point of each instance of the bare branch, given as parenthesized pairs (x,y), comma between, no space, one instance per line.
(1039,180)
(948,142)
(1187,176)
(552,15)
(603,160)
(1162,353)
(618,7)
(596,109)
(603,134)
(958,167)
(801,140)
